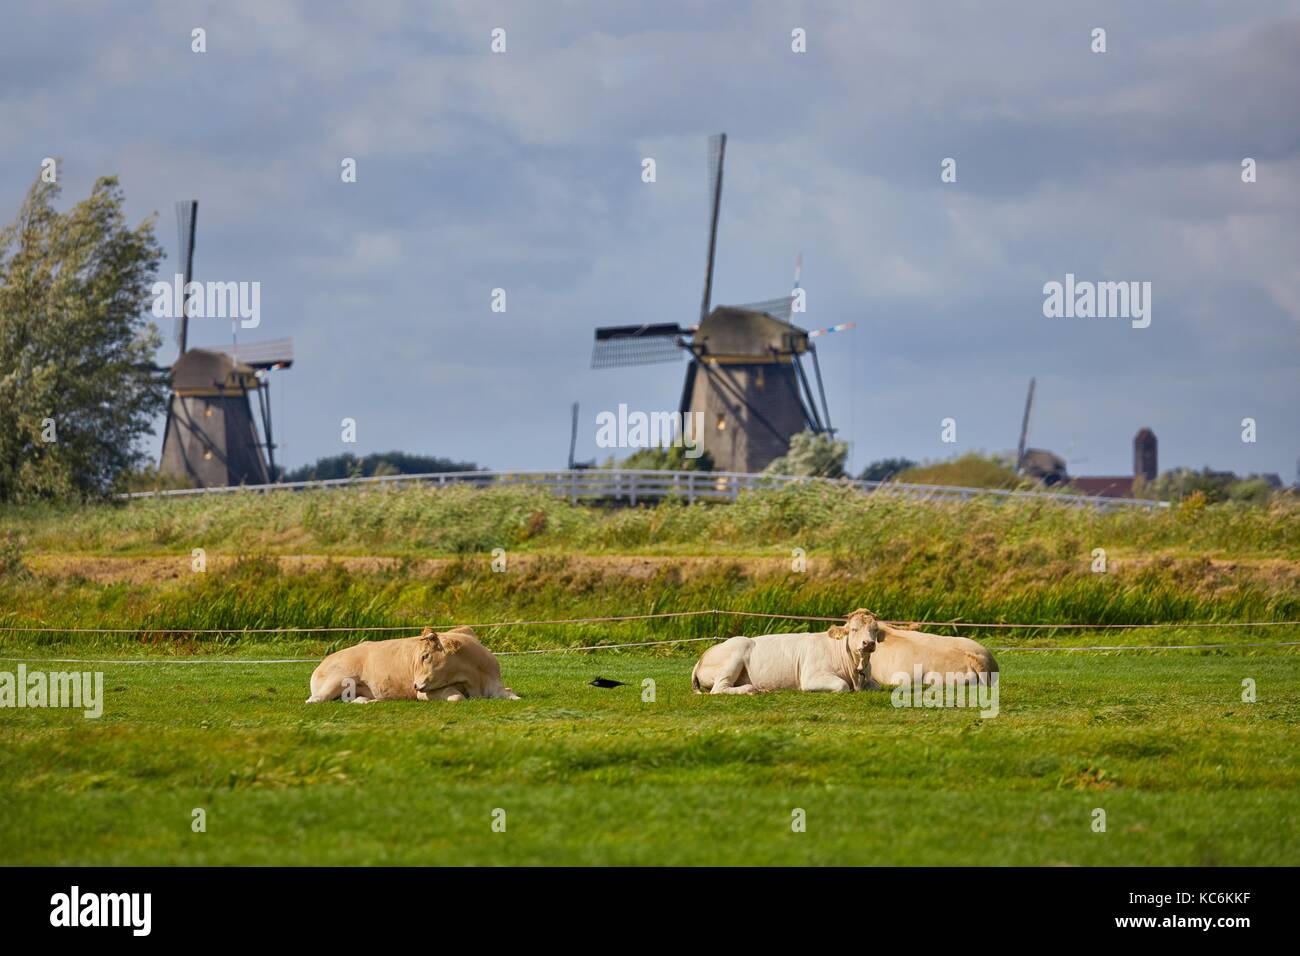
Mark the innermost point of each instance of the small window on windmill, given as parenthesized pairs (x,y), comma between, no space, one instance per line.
(759,381)
(721,423)
(207,412)
(207,456)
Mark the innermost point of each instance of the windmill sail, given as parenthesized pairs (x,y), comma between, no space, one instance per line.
(618,346)
(781,308)
(717,156)
(274,353)
(187,219)
(1024,428)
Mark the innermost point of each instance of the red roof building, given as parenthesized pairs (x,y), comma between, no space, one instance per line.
(1101,486)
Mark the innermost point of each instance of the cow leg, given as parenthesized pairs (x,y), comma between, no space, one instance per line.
(731,671)
(442,693)
(825,682)
(327,687)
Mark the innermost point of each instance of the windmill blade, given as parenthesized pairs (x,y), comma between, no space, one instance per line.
(810,413)
(573,436)
(821,387)
(618,346)
(272,354)
(187,220)
(842,327)
(1024,426)
(717,156)
(781,308)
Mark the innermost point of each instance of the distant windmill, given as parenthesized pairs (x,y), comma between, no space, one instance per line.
(745,372)
(1046,466)
(211,438)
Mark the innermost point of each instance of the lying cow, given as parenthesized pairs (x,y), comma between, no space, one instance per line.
(835,660)
(900,652)
(452,665)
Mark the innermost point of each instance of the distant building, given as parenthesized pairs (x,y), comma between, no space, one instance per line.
(1101,486)
(1144,454)
(1121,486)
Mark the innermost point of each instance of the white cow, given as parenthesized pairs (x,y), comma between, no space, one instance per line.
(836,660)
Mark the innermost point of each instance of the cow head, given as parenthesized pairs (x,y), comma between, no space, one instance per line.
(861,633)
(456,658)
(429,661)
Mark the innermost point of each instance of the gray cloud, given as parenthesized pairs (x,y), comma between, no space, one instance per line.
(523,171)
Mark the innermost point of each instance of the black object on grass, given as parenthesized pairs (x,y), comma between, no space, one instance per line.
(606,682)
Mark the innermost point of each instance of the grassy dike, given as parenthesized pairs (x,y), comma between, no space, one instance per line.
(832,519)
(426,556)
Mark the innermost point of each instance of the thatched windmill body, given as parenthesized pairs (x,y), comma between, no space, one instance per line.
(211,437)
(745,371)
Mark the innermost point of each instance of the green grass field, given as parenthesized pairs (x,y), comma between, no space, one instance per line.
(1186,772)
(1162,741)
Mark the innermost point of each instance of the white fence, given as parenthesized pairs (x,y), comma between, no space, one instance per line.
(634,485)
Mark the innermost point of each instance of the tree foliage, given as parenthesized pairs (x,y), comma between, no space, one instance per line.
(972,470)
(380,463)
(1215,486)
(666,458)
(886,468)
(812,454)
(76,392)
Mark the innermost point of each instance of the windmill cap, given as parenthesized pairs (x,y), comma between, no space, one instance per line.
(201,371)
(736,332)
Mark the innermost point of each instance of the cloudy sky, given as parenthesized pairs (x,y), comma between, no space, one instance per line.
(522,170)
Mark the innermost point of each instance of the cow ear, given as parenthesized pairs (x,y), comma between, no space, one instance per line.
(433,639)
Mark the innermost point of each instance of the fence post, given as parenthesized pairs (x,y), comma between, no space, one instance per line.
(632,489)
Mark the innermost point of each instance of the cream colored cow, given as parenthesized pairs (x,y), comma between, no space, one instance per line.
(899,652)
(452,665)
(835,660)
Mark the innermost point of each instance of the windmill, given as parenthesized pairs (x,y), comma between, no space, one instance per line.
(745,373)
(211,438)
(1046,466)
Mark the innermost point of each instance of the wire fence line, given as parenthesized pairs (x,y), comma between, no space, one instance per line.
(633,485)
(615,618)
(716,612)
(610,647)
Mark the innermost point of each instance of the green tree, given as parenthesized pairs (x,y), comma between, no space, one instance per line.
(812,454)
(886,468)
(666,458)
(76,391)
(1214,486)
(971,470)
(379,463)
